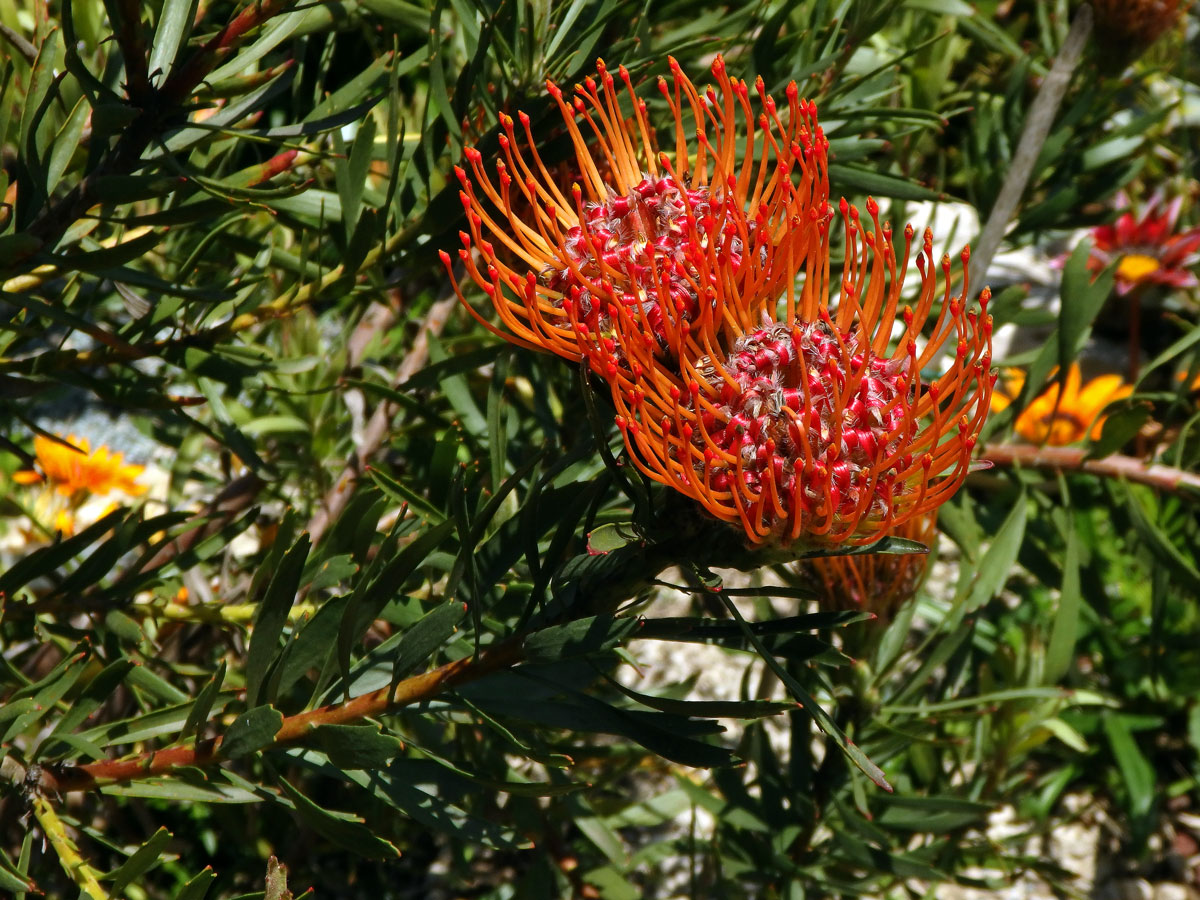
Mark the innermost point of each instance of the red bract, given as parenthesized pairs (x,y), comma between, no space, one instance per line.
(1146,249)
(697,285)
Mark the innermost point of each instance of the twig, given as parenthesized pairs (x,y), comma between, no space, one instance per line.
(237,496)
(76,867)
(22,46)
(380,423)
(131,40)
(1037,128)
(1072,459)
(417,689)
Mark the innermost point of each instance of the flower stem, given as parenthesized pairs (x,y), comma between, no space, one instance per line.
(1033,137)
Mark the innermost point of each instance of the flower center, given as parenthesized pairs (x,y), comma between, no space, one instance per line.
(825,417)
(640,246)
(1137,267)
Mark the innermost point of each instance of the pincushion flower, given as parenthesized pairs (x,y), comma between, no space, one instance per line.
(1146,249)
(1049,419)
(1126,28)
(876,582)
(696,284)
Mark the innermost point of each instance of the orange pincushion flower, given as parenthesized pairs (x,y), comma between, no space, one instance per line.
(72,468)
(876,582)
(1125,28)
(697,286)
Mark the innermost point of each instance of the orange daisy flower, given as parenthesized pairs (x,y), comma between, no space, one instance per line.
(696,284)
(1077,415)
(71,468)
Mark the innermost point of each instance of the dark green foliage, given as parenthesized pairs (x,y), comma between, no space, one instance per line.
(420,578)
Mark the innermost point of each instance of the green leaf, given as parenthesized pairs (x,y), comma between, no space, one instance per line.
(355,746)
(824,721)
(198,886)
(311,648)
(856,180)
(197,716)
(272,615)
(252,730)
(369,599)
(1141,784)
(613,536)
(593,634)
(577,711)
(1158,542)
(1121,426)
(718,709)
(96,692)
(171,33)
(931,814)
(345,830)
(142,859)
(401,653)
(996,566)
(400,789)
(1060,651)
(1081,302)
(47,559)
(11,879)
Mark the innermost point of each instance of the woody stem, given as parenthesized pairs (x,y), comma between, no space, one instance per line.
(1074,459)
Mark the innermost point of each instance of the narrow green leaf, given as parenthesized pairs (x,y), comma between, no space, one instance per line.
(355,746)
(47,559)
(855,180)
(140,861)
(1141,784)
(1060,651)
(197,717)
(345,830)
(814,709)
(1081,302)
(996,566)
(367,601)
(593,634)
(171,33)
(271,616)
(198,886)
(404,651)
(94,694)
(252,730)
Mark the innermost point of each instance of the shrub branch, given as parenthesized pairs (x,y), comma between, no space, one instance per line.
(1074,459)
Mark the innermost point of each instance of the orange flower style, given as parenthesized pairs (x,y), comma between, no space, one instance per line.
(696,284)
(72,469)
(1076,416)
(876,582)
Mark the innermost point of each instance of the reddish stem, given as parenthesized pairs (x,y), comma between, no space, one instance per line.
(91,776)
(1074,459)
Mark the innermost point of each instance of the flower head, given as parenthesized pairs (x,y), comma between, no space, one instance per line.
(876,582)
(1126,28)
(1146,250)
(697,286)
(1056,421)
(71,468)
